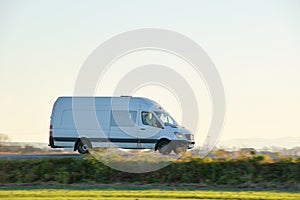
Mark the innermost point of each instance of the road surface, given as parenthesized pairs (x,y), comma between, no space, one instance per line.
(36,156)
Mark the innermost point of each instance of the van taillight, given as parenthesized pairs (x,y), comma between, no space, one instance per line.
(50,132)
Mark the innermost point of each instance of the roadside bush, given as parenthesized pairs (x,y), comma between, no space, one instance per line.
(201,171)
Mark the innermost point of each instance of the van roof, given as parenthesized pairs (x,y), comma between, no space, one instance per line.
(106,97)
(69,99)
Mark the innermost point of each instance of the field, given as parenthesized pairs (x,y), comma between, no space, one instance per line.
(10,193)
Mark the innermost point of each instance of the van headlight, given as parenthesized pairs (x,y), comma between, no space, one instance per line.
(179,135)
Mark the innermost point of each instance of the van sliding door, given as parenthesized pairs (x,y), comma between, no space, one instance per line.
(123,129)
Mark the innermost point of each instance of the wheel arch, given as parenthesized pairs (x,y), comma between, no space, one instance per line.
(160,140)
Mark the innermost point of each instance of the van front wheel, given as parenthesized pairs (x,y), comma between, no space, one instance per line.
(83,147)
(180,149)
(164,147)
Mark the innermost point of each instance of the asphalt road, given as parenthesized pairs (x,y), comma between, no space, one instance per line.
(35,156)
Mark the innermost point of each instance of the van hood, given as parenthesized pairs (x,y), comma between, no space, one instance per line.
(178,128)
(181,129)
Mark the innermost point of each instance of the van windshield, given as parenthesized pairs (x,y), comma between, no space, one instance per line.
(166,118)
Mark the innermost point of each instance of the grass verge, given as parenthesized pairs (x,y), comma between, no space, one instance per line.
(138,192)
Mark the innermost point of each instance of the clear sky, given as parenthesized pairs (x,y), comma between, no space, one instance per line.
(254,44)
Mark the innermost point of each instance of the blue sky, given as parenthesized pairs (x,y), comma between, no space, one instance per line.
(255,46)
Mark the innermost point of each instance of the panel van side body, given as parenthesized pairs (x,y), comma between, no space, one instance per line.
(96,122)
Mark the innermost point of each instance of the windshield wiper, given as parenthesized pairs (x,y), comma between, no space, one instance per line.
(169,124)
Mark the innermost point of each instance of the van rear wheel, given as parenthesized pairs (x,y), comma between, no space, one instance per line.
(164,147)
(83,146)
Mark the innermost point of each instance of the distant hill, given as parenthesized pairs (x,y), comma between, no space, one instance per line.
(260,143)
(28,147)
(23,144)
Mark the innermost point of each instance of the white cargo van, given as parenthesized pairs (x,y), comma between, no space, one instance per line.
(124,122)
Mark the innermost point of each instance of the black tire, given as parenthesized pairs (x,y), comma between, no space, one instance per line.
(180,149)
(164,147)
(83,146)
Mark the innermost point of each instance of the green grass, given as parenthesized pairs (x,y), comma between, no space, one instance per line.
(24,193)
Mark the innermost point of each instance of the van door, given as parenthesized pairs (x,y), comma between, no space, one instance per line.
(123,129)
(149,130)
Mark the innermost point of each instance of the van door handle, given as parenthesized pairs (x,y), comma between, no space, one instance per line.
(143,129)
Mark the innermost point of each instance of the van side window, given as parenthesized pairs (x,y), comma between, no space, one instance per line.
(123,118)
(149,119)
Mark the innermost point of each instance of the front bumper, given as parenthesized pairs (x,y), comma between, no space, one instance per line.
(188,143)
(191,145)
